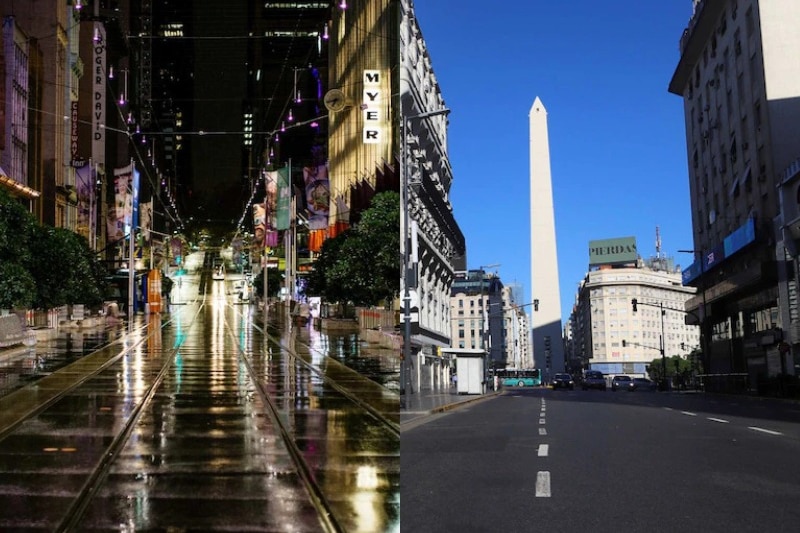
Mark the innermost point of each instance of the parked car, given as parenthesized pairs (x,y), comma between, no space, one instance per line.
(621,382)
(642,384)
(593,379)
(563,381)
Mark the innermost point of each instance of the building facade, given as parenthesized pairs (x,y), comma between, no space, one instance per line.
(739,77)
(432,244)
(603,317)
(518,353)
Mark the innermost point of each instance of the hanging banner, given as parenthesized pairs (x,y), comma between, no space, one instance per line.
(135,197)
(84,181)
(146,223)
(119,218)
(317,195)
(283,203)
(259,223)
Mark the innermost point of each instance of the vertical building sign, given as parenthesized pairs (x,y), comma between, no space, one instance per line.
(99,95)
(73,133)
(372,105)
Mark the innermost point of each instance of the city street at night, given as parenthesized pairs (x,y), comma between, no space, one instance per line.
(195,419)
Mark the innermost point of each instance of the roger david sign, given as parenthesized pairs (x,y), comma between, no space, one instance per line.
(613,251)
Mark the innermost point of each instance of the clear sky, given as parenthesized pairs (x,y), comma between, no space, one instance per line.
(617,138)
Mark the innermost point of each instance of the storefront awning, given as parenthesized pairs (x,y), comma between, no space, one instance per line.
(16,188)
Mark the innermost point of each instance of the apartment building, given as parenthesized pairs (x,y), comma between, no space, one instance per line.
(739,77)
(603,317)
(432,244)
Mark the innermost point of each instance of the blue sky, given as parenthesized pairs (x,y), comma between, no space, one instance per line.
(617,138)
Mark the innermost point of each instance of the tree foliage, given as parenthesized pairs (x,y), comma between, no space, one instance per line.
(274,282)
(362,266)
(42,266)
(679,370)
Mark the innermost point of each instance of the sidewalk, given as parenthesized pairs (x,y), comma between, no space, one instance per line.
(419,405)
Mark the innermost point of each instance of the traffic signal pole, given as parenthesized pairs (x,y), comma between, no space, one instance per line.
(662,341)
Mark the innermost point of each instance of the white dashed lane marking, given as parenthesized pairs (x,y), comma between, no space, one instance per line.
(543,485)
(542,431)
(720,420)
(543,450)
(767,431)
(688,413)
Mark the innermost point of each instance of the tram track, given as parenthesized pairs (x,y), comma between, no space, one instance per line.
(103,477)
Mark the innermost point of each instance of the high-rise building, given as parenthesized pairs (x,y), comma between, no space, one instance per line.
(548,348)
(739,77)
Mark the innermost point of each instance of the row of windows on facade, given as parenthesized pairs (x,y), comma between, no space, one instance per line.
(636,334)
(710,51)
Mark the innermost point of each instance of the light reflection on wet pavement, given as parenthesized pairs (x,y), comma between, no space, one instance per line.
(206,453)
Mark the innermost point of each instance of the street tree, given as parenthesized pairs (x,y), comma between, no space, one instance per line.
(361,266)
(17,285)
(274,282)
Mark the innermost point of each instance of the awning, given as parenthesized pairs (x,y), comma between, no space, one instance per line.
(16,188)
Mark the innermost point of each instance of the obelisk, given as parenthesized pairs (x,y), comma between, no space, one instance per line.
(548,348)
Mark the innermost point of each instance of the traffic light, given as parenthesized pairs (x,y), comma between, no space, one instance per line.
(634,303)
(624,343)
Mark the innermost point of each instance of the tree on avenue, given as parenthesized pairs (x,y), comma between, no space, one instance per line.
(42,267)
(679,369)
(361,266)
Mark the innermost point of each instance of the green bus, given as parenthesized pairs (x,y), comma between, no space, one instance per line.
(511,377)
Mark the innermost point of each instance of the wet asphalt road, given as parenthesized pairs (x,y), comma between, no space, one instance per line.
(196,421)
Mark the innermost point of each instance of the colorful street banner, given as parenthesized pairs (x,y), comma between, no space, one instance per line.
(146,222)
(283,202)
(135,197)
(317,196)
(120,215)
(259,223)
(85,187)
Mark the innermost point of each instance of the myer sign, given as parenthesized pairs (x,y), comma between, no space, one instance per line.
(372,106)
(613,251)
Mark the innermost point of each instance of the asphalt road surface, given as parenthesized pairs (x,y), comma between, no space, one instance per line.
(544,460)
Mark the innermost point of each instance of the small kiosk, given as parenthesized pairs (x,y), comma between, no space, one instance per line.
(470,369)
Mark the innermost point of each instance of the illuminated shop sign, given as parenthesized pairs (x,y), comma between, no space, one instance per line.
(373,107)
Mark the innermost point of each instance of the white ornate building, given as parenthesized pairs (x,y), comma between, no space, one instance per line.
(432,237)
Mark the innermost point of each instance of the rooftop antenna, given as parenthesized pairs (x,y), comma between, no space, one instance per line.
(658,243)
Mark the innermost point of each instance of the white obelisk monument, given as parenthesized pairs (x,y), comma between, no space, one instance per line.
(548,348)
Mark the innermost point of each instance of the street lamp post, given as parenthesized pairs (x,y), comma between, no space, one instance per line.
(407,275)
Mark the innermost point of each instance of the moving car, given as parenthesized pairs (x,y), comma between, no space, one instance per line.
(593,379)
(563,381)
(621,382)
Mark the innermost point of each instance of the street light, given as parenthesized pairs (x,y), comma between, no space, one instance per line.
(662,341)
(407,275)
